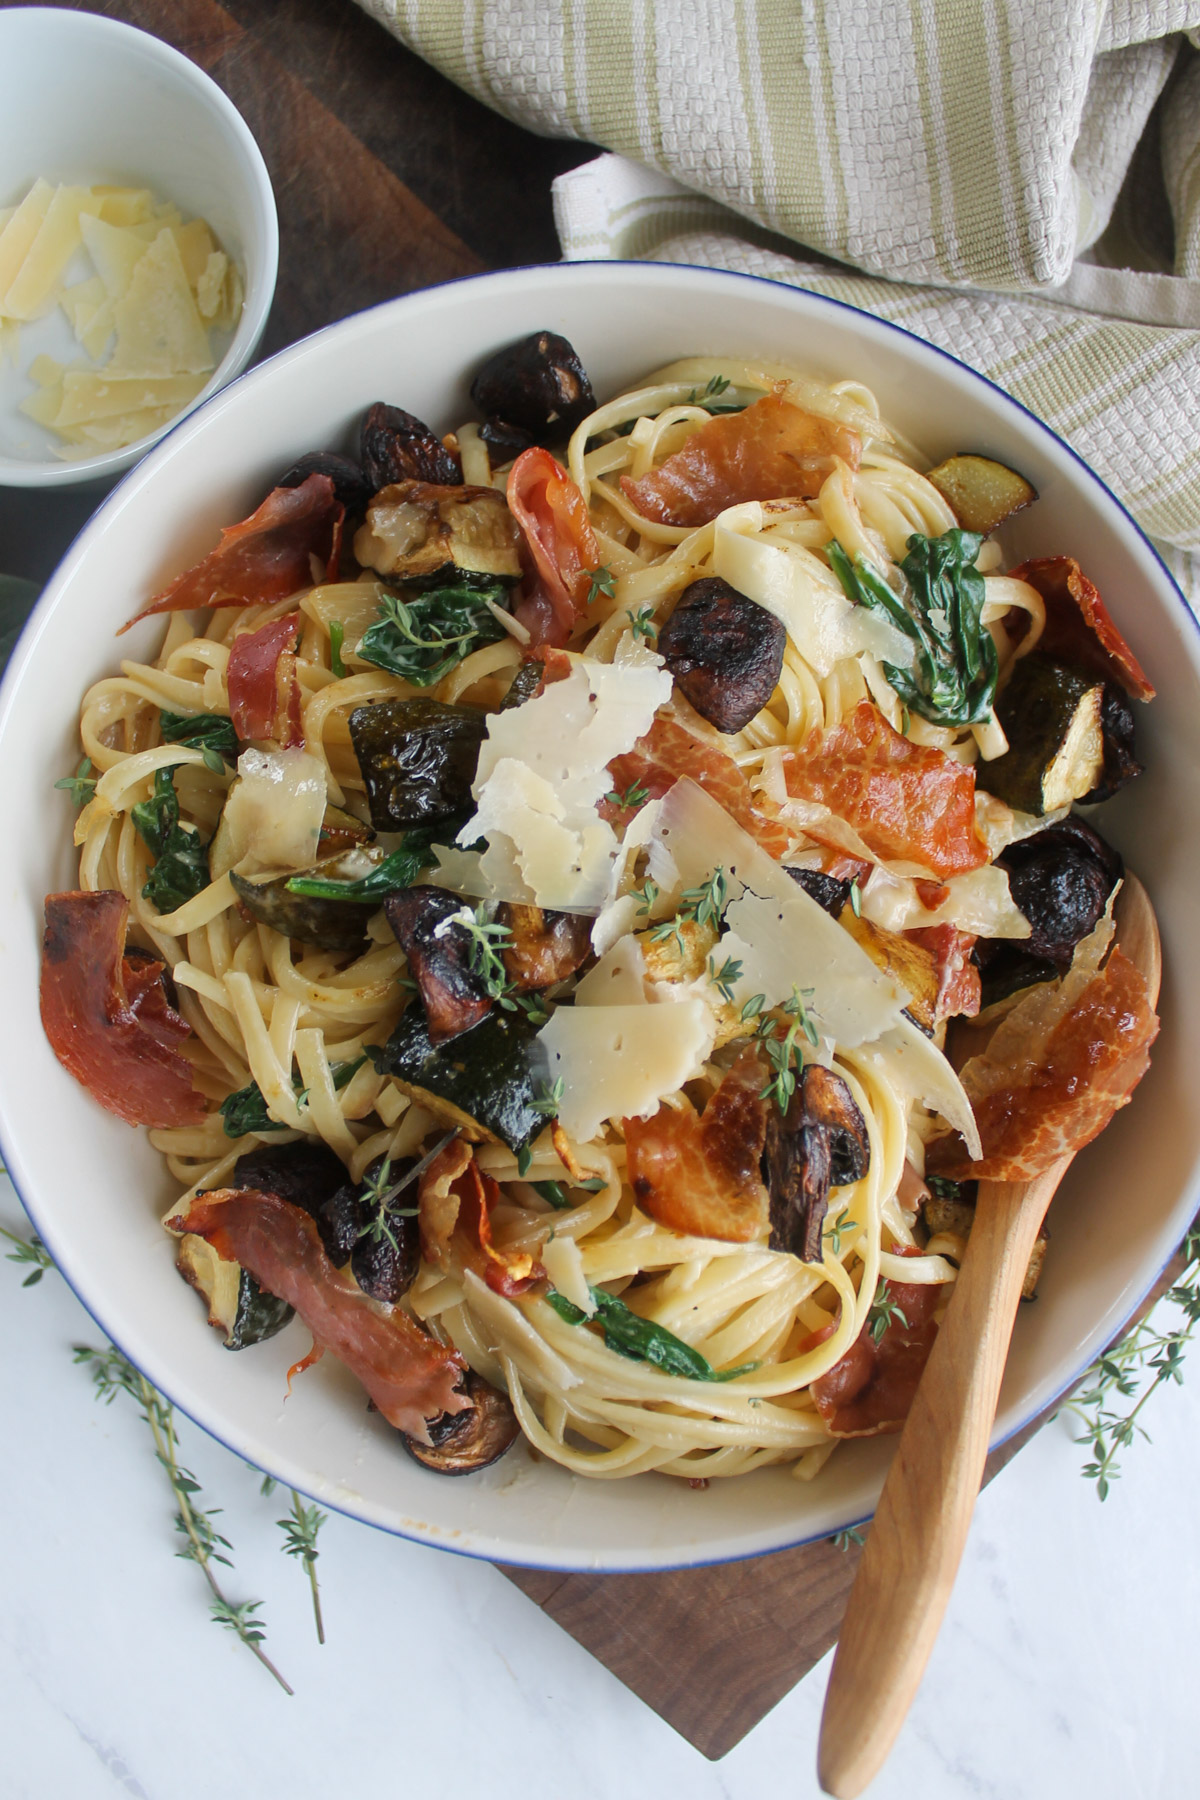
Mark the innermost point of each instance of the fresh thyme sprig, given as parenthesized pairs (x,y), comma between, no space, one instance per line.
(377,1195)
(884,1312)
(709,397)
(781,1051)
(645,896)
(300,1529)
(724,977)
(854,1537)
(81,785)
(548,1100)
(28,1250)
(601,581)
(642,624)
(204,1545)
(701,905)
(836,1230)
(487,940)
(1135,1368)
(635,795)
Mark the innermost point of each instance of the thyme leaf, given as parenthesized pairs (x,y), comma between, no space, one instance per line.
(300,1529)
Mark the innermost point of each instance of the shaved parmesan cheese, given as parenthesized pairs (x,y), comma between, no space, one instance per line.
(563,1263)
(619,1061)
(210,285)
(16,240)
(115,252)
(33,290)
(159,331)
(543,768)
(915,1064)
(782,577)
(275,808)
(196,248)
(124,206)
(88,396)
(618,979)
(462,872)
(979,902)
(622,909)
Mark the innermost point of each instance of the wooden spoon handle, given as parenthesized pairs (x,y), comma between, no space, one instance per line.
(920,1527)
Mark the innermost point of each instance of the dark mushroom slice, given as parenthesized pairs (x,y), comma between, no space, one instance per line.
(542,947)
(350,485)
(1052,718)
(396,446)
(483,1083)
(537,388)
(441,958)
(303,1173)
(820,1143)
(330,924)
(831,894)
(418,759)
(382,1248)
(982,493)
(505,442)
(1060,878)
(473,1439)
(724,651)
(426,535)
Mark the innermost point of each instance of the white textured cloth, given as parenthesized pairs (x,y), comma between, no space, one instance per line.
(1016,180)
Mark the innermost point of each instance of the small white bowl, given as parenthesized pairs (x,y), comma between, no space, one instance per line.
(96,1190)
(88,100)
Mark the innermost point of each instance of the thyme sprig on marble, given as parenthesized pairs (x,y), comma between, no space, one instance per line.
(300,1529)
(113,1374)
(1135,1368)
(28,1250)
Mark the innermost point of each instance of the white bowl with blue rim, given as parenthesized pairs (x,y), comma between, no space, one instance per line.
(96,1190)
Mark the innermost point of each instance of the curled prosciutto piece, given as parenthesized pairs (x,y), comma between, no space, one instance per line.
(107,1018)
(1079,628)
(906,801)
(561,545)
(410,1376)
(264,688)
(771,451)
(267,556)
(699,1172)
(873,1386)
(667,752)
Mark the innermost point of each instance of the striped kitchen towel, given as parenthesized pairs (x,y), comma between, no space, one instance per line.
(1016,180)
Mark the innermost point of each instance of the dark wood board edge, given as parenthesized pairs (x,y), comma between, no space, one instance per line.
(712,1650)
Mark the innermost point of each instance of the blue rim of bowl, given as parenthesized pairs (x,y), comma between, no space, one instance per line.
(12,675)
(86,473)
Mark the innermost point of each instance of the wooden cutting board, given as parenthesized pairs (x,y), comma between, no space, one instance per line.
(388,179)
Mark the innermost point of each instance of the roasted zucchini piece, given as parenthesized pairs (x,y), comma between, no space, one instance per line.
(418,759)
(1051,716)
(911,964)
(424,535)
(524,685)
(330,924)
(237,1307)
(482,1082)
(983,493)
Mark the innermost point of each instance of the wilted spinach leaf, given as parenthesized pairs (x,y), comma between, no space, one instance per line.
(640,1339)
(180,869)
(422,639)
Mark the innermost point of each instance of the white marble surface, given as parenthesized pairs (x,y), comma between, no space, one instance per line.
(1068,1662)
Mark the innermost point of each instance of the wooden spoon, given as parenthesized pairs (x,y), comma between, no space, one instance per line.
(916,1540)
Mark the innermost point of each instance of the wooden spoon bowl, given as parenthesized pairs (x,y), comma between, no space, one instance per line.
(916,1541)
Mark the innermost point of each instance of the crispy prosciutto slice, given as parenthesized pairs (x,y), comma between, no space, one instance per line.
(264,688)
(107,1018)
(455,1202)
(771,451)
(1056,1069)
(871,1389)
(907,802)
(1079,629)
(267,556)
(409,1375)
(959,987)
(667,752)
(561,546)
(699,1172)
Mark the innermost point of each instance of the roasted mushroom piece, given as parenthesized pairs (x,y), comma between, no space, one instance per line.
(304,1173)
(532,392)
(1060,878)
(395,446)
(542,947)
(382,1244)
(820,1143)
(418,759)
(724,651)
(466,1441)
(350,485)
(831,894)
(442,957)
(425,535)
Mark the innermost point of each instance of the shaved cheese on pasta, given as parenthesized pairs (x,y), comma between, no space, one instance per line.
(979,902)
(543,768)
(275,809)
(785,579)
(619,1061)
